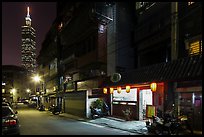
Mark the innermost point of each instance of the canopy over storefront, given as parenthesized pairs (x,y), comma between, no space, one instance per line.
(188,68)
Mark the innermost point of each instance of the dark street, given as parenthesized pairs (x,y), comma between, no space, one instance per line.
(34,122)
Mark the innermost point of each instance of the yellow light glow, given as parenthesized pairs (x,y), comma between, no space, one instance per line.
(36,78)
(119,90)
(128,89)
(153,86)
(28,90)
(195,48)
(105,90)
(111,90)
(13,90)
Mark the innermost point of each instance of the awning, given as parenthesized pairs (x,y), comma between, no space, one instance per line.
(188,68)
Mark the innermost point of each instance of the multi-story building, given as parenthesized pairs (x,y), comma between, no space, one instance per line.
(101,39)
(86,50)
(168,51)
(28,48)
(12,78)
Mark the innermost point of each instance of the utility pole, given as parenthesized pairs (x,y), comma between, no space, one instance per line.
(59,73)
(174,50)
(174,30)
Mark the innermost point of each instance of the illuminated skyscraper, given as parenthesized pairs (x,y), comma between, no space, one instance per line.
(28,51)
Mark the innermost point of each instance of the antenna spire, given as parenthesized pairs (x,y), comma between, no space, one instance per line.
(28,10)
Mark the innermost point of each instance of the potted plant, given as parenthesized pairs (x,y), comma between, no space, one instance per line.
(127,113)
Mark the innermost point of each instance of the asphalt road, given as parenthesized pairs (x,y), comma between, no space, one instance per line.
(34,122)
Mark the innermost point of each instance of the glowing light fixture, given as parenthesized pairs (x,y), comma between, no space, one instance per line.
(153,86)
(28,90)
(105,90)
(119,90)
(128,89)
(36,78)
(111,90)
(13,90)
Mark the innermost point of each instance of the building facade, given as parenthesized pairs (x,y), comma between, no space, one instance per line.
(12,78)
(124,49)
(84,47)
(28,47)
(168,51)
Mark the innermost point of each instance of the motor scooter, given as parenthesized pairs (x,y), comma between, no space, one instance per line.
(158,126)
(56,110)
(41,108)
(98,112)
(51,107)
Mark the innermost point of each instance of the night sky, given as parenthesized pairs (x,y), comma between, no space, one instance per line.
(13,17)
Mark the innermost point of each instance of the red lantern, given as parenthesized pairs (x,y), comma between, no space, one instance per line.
(128,89)
(111,90)
(105,90)
(119,90)
(153,86)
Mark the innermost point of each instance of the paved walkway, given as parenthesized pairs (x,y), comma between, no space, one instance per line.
(133,126)
(112,122)
(130,126)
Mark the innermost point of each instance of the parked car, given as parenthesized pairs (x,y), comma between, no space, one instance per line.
(25,101)
(10,121)
(5,104)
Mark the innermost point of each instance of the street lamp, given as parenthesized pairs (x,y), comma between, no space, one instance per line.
(12,92)
(28,91)
(36,79)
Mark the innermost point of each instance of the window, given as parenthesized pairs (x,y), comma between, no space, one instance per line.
(190,3)
(195,48)
(3,90)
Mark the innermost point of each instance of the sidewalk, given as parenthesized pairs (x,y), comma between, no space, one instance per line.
(134,126)
(130,126)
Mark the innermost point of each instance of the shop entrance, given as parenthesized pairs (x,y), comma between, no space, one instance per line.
(145,98)
(191,104)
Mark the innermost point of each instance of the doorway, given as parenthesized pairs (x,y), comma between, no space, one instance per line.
(191,104)
(145,98)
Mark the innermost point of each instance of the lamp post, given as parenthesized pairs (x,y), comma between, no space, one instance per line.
(36,79)
(13,90)
(28,91)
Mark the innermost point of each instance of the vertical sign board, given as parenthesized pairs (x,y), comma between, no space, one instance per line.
(150,111)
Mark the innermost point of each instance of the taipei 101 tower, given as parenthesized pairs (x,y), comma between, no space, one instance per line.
(28,48)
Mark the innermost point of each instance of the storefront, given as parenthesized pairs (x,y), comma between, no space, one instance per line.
(134,99)
(171,89)
(190,102)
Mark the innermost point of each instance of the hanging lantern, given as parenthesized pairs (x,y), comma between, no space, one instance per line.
(111,90)
(105,90)
(119,90)
(153,86)
(128,89)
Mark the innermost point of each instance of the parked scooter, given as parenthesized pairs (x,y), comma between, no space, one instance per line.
(159,126)
(41,107)
(185,127)
(98,112)
(51,108)
(168,125)
(56,110)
